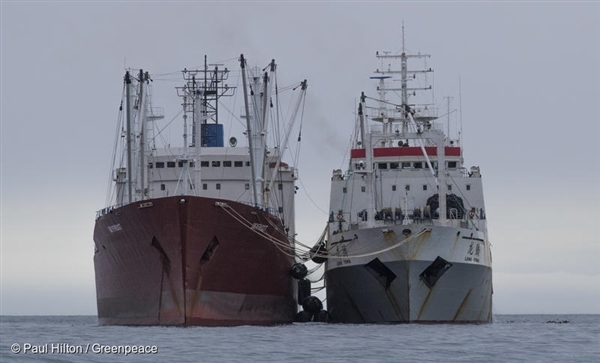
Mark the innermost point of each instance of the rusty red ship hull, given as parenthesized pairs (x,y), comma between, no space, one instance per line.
(187,261)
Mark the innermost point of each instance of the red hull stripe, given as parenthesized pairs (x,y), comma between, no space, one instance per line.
(404,151)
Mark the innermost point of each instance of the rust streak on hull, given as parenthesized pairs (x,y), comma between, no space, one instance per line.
(246,282)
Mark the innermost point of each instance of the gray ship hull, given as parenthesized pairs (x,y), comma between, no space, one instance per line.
(428,278)
(357,294)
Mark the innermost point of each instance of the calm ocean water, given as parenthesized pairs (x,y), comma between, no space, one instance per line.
(511,338)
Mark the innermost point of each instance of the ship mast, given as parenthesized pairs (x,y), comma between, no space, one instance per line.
(266,97)
(201,93)
(419,130)
(259,134)
(129,132)
(199,116)
(257,127)
(142,113)
(367,144)
(249,127)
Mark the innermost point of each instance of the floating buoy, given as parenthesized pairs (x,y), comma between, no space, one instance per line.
(322,316)
(299,271)
(303,290)
(318,252)
(312,304)
(303,317)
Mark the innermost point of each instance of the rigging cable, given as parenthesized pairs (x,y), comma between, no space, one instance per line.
(109,194)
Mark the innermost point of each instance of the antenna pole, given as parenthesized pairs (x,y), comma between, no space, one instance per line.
(403,48)
(460,115)
(448,98)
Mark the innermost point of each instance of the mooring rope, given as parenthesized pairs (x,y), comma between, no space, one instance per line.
(287,248)
(283,247)
(408,239)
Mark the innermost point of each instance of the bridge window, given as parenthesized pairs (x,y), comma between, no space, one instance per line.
(160,164)
(150,165)
(227,163)
(452,164)
(418,165)
(192,164)
(216,163)
(170,164)
(394,165)
(204,164)
(247,163)
(405,165)
(238,164)
(382,165)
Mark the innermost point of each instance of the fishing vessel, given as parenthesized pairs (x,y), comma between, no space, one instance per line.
(200,233)
(407,237)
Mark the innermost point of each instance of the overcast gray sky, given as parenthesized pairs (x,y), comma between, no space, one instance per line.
(530,75)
